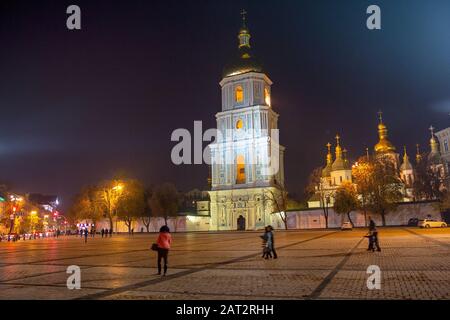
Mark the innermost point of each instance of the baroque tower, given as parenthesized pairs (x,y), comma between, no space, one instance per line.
(246,159)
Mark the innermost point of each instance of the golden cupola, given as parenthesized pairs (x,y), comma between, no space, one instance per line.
(339,162)
(244,61)
(434,156)
(383,145)
(329,160)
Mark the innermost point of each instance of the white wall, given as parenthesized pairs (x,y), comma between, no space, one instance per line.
(314,218)
(180,224)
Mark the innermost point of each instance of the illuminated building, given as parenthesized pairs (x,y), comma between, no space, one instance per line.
(242,154)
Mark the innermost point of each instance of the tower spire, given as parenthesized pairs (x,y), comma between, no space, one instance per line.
(406,165)
(433,143)
(418,155)
(329,155)
(338,147)
(244,33)
(243,14)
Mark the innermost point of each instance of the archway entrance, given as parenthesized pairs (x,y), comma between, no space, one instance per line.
(241,223)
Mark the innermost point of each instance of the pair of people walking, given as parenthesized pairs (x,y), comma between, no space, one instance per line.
(162,247)
(373,237)
(268,243)
(105,232)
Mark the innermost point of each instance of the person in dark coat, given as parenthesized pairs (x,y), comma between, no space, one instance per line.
(103,232)
(267,243)
(86,233)
(373,236)
(273,243)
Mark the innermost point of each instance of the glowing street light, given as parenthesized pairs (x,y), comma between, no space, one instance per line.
(119,187)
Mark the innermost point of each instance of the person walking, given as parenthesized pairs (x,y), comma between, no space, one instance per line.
(373,236)
(267,243)
(86,232)
(275,256)
(163,242)
(102,232)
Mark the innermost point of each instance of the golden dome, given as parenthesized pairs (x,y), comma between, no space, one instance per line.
(383,145)
(244,61)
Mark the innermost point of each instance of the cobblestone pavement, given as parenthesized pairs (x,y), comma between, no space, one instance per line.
(312,264)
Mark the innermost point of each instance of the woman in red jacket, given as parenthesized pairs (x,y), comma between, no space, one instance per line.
(164,241)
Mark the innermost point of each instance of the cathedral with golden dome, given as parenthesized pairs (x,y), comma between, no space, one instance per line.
(338,170)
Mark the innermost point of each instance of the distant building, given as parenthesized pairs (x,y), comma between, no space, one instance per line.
(336,171)
(46,202)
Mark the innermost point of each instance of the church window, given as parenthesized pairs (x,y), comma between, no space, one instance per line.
(267,96)
(340,179)
(446,145)
(239,94)
(240,169)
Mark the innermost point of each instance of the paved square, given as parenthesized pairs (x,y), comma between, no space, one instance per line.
(312,264)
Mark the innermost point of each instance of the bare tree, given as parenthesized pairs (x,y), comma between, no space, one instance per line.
(277,198)
(165,201)
(346,200)
(383,187)
(316,188)
(131,203)
(146,216)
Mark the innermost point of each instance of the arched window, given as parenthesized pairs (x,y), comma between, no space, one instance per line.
(239,94)
(267,96)
(240,169)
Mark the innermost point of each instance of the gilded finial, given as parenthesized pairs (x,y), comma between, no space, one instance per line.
(337,139)
(329,156)
(244,34)
(380,116)
(404,150)
(431,128)
(243,14)
(418,155)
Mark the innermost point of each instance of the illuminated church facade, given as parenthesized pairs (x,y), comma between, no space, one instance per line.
(338,170)
(243,171)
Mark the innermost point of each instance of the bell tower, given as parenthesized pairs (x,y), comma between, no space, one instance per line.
(241,156)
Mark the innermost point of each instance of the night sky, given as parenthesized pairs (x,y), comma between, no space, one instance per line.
(81,106)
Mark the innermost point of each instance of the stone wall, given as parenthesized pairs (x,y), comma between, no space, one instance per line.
(180,224)
(313,218)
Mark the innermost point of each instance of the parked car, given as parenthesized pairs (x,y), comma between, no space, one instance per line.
(346,226)
(413,222)
(430,223)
